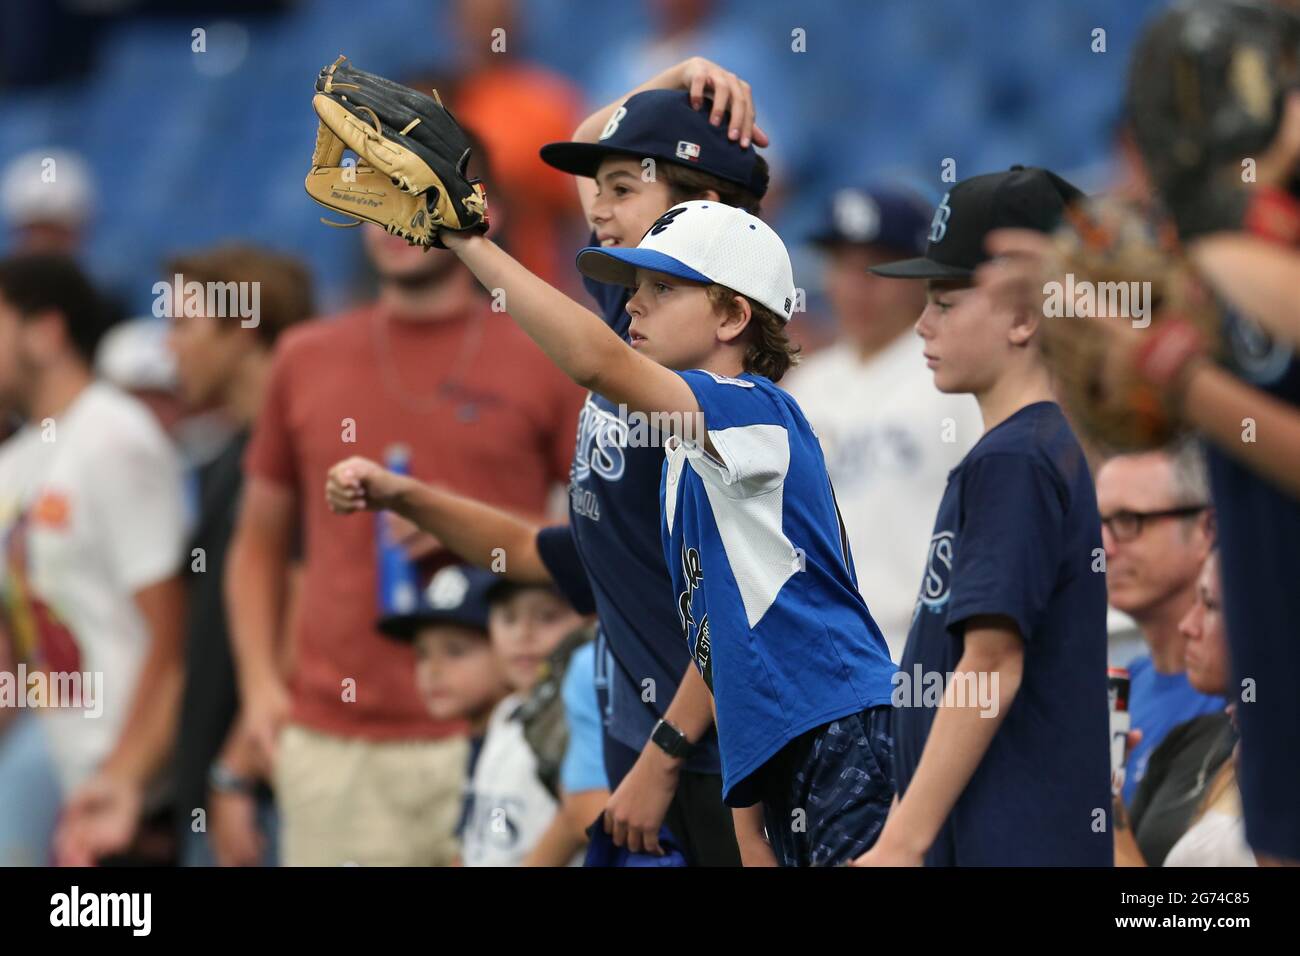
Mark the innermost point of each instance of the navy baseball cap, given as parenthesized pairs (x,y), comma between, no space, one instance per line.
(1024,197)
(454,594)
(503,589)
(663,125)
(883,215)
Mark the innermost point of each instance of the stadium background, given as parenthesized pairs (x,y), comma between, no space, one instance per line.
(188,148)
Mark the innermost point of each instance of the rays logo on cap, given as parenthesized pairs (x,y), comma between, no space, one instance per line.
(612,125)
(447,589)
(856,215)
(939,224)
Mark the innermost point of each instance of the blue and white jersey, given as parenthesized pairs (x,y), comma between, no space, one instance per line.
(763,576)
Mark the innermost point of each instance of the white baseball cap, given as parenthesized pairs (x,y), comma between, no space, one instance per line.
(134,355)
(47,185)
(704,241)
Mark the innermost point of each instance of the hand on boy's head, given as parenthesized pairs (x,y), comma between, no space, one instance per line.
(1014,276)
(730,93)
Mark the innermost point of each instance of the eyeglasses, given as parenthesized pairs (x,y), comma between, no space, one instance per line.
(1127,525)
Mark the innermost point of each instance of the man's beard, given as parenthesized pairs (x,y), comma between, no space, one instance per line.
(433,271)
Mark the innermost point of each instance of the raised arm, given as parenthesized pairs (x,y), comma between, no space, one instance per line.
(574,337)
(1257,276)
(1260,431)
(478,533)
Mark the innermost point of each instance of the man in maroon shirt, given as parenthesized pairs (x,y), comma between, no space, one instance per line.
(362,774)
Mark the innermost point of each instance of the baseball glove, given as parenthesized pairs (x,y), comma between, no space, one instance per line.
(1124,318)
(1206,94)
(412,158)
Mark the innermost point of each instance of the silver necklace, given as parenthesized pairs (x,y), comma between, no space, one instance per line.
(470,341)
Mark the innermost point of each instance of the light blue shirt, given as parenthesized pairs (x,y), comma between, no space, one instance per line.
(583,766)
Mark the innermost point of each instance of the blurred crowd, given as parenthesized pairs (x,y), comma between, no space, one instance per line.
(382,666)
(275,684)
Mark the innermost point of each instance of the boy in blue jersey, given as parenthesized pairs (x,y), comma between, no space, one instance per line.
(687,133)
(762,577)
(1010,602)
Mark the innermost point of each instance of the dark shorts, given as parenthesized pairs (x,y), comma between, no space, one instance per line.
(697,816)
(826,793)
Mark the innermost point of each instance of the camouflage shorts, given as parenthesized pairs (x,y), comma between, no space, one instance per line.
(826,793)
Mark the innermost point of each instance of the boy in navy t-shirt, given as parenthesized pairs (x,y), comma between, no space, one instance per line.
(762,577)
(1013,767)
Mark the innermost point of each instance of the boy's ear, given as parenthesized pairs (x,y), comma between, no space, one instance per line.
(736,319)
(1024,326)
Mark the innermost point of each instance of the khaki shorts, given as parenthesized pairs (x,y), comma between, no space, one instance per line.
(349,801)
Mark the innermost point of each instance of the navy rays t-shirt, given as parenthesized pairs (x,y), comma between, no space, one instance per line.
(614,522)
(1017,536)
(1258,525)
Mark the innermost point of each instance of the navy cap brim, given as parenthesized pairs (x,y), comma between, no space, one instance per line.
(582,159)
(404,627)
(827,238)
(921,268)
(400,627)
(618,266)
(833,240)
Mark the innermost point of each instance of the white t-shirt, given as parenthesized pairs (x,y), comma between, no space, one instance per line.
(1216,839)
(507,807)
(890,438)
(91,512)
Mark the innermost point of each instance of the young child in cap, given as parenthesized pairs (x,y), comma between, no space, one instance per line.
(763,579)
(457,673)
(1010,766)
(514,801)
(481,644)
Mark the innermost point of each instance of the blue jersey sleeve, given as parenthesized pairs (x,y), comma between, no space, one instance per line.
(583,766)
(1011,542)
(559,552)
(748,429)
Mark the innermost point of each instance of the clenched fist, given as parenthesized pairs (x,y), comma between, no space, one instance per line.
(359,484)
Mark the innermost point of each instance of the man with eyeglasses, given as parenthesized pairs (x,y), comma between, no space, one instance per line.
(1157,528)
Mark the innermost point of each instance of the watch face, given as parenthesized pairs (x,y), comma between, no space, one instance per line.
(671,740)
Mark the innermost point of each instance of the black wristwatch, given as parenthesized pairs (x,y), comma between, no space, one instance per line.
(671,740)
